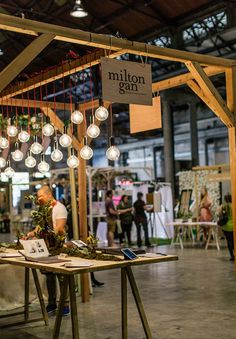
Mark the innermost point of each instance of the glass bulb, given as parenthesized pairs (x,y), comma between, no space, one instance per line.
(17,155)
(2,162)
(93,131)
(56,155)
(101,113)
(12,131)
(4,143)
(112,153)
(30,161)
(36,148)
(43,166)
(23,136)
(77,117)
(73,161)
(9,172)
(65,140)
(86,152)
(48,130)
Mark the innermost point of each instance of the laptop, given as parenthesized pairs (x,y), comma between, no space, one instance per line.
(36,251)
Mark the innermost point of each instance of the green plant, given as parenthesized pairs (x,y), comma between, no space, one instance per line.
(42,220)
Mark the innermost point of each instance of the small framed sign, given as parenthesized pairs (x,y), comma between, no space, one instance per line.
(126,82)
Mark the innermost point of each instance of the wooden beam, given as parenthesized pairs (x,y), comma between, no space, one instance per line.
(23,59)
(59,72)
(231,102)
(199,92)
(211,92)
(38,104)
(34,103)
(183,79)
(77,36)
(59,124)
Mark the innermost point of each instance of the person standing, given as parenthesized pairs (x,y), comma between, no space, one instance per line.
(140,219)
(111,214)
(204,210)
(126,218)
(228,228)
(59,218)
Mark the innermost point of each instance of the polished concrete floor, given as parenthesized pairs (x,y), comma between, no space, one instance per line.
(192,298)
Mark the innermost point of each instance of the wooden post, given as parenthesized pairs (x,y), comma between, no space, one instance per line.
(74,204)
(83,227)
(231,103)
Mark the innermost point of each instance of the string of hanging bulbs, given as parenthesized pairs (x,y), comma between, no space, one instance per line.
(48,130)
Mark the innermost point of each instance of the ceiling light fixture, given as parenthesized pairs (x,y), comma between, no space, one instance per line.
(78,10)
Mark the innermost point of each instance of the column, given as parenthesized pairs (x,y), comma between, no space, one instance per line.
(168,143)
(193,133)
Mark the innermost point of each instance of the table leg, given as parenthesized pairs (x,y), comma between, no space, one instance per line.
(138,302)
(73,305)
(26,306)
(208,238)
(63,295)
(40,295)
(124,303)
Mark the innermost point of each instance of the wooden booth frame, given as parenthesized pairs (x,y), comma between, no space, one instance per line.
(201,68)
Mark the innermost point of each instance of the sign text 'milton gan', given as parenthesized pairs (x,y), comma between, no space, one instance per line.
(126,82)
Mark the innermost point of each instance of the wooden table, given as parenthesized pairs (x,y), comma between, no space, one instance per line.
(179,225)
(69,280)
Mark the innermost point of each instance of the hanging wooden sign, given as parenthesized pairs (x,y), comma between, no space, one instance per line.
(145,118)
(126,82)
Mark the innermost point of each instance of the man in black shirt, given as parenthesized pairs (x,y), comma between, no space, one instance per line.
(140,219)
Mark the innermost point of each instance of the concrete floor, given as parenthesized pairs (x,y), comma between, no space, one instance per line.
(192,298)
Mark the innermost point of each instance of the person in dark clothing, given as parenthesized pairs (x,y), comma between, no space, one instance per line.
(126,218)
(140,219)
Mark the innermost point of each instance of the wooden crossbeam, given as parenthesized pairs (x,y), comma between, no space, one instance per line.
(211,92)
(77,36)
(23,59)
(59,72)
(38,104)
(199,92)
(184,78)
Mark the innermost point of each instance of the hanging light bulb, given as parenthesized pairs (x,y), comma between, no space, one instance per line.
(72,161)
(30,161)
(9,171)
(48,129)
(4,143)
(101,113)
(43,166)
(11,129)
(23,136)
(77,117)
(65,140)
(17,155)
(2,162)
(56,155)
(112,152)
(36,147)
(93,130)
(86,152)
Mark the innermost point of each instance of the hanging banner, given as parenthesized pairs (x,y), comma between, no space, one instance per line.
(126,82)
(145,118)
